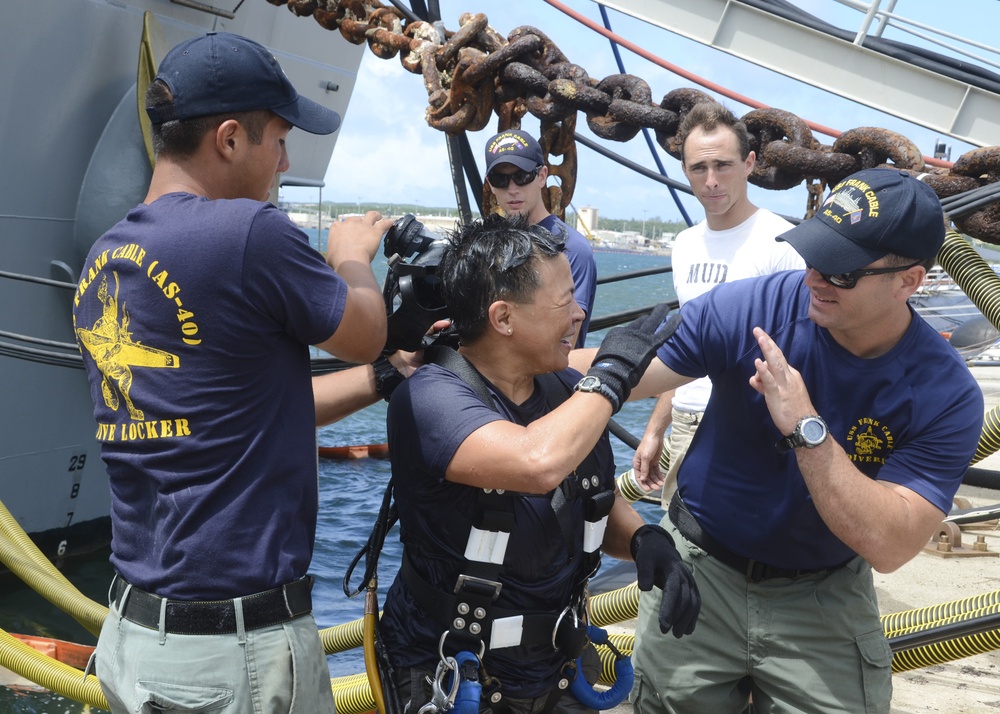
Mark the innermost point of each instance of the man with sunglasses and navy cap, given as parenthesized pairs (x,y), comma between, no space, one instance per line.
(195,314)
(838,431)
(516,174)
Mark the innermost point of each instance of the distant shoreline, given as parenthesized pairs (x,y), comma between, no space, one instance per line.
(665,252)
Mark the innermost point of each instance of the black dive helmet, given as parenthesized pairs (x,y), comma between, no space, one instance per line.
(412,291)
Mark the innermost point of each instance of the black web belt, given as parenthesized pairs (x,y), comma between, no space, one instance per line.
(754,570)
(536,629)
(214,617)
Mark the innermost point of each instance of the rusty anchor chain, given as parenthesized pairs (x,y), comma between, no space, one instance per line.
(474,72)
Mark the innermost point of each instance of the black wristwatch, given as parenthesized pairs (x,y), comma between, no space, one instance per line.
(810,432)
(594,384)
(387,377)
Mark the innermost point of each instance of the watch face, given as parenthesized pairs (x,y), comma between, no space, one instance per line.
(813,431)
(588,384)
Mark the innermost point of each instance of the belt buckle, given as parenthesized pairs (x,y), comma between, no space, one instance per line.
(756,571)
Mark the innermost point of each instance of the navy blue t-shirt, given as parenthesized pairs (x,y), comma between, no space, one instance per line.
(429,417)
(582,266)
(912,416)
(194,318)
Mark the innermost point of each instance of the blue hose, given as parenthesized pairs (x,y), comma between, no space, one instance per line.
(624,676)
(469,689)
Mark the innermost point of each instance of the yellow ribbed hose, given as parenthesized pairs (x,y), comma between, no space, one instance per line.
(23,558)
(615,606)
(981,283)
(352,695)
(900,622)
(973,274)
(47,672)
(949,613)
(919,620)
(989,442)
(341,638)
(951,649)
(624,644)
(632,491)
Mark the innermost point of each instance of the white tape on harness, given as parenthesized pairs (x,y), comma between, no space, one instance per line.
(593,534)
(506,632)
(486,546)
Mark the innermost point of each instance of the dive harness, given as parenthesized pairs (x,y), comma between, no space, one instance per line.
(473,623)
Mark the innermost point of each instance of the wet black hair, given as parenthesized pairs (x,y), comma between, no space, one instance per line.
(495,258)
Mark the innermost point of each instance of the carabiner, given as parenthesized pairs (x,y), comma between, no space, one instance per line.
(442,701)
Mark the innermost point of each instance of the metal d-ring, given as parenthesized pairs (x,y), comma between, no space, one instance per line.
(555,630)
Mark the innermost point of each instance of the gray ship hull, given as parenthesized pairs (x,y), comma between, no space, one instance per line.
(74,163)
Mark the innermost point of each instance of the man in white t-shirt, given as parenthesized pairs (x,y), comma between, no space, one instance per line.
(736,240)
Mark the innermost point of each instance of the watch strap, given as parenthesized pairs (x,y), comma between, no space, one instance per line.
(797,438)
(593,384)
(387,377)
(787,443)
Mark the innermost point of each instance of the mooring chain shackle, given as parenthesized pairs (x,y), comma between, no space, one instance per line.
(420,35)
(558,139)
(983,166)
(631,99)
(816,189)
(873,146)
(385,36)
(526,72)
(470,92)
(677,102)
(775,128)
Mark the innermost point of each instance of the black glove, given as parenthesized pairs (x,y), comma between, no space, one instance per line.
(626,352)
(658,563)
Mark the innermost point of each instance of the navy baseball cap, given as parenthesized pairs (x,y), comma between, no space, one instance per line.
(868,215)
(220,72)
(513,147)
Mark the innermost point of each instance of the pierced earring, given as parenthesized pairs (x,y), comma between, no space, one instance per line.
(510,330)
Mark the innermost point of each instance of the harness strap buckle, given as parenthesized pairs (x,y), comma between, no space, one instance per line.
(480,587)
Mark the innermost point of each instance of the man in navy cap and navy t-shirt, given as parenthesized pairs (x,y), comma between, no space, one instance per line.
(195,314)
(516,174)
(838,431)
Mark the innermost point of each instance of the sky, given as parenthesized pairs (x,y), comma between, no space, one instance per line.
(386,153)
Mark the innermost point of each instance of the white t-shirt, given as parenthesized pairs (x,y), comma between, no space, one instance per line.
(703,258)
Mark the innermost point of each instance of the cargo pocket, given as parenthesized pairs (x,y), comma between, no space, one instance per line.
(641,691)
(156,697)
(876,670)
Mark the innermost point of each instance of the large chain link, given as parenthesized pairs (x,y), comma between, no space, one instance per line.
(474,73)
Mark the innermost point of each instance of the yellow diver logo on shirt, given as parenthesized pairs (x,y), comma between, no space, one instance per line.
(872,441)
(116,354)
(110,343)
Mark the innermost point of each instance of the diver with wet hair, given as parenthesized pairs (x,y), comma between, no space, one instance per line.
(504,483)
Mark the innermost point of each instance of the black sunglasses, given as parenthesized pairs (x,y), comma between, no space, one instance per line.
(846,281)
(521,178)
